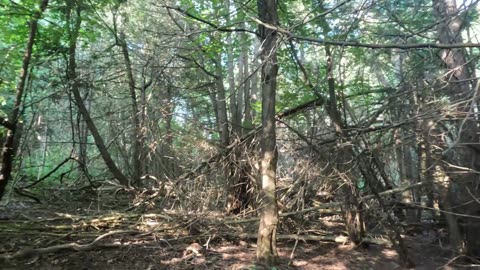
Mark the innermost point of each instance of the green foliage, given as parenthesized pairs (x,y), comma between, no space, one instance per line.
(156,42)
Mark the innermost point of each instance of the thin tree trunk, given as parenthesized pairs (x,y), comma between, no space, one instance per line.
(234,116)
(8,153)
(74,86)
(353,218)
(266,242)
(353,213)
(248,117)
(253,97)
(142,129)
(221,104)
(44,143)
(137,138)
(169,108)
(243,95)
(83,138)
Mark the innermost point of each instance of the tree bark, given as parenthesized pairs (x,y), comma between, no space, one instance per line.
(266,243)
(8,152)
(458,187)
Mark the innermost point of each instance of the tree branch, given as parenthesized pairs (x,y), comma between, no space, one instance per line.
(319,41)
(219,28)
(386,46)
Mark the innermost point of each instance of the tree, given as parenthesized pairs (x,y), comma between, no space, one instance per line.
(74,18)
(457,192)
(8,152)
(267,243)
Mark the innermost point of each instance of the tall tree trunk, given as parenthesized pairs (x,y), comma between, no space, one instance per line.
(8,152)
(353,207)
(353,213)
(234,116)
(142,129)
(169,108)
(249,91)
(404,158)
(253,95)
(43,142)
(233,96)
(137,137)
(460,186)
(266,242)
(243,96)
(221,104)
(239,182)
(74,87)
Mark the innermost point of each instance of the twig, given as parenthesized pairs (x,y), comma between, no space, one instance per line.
(294,248)
(450,261)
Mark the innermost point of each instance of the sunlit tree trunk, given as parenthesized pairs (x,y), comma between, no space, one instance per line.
(266,242)
(43,140)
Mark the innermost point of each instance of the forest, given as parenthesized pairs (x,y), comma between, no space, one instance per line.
(239,134)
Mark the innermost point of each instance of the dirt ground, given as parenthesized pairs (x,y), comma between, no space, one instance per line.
(130,245)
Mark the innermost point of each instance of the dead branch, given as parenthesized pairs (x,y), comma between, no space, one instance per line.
(328,206)
(326,238)
(71,246)
(338,204)
(289,112)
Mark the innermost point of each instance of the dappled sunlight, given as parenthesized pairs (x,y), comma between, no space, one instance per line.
(192,134)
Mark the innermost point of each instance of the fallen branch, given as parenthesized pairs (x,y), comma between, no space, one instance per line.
(71,246)
(327,238)
(338,204)
(326,208)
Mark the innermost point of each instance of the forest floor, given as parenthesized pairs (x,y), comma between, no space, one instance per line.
(70,235)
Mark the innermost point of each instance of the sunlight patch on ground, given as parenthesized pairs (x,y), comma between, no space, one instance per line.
(390,253)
